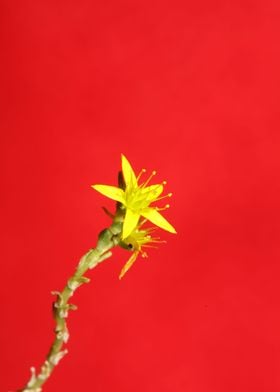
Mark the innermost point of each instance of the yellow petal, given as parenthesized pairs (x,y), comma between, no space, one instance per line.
(130,222)
(157,219)
(128,173)
(128,264)
(110,191)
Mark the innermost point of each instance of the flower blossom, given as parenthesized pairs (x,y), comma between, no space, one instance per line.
(137,199)
(138,239)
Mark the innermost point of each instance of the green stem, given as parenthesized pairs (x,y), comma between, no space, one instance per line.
(107,239)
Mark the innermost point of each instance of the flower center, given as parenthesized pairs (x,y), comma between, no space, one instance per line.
(141,196)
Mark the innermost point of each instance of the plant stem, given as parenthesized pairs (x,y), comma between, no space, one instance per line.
(107,239)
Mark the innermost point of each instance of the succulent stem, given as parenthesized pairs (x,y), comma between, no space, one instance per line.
(107,239)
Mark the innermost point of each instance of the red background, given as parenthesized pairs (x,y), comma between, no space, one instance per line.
(190,89)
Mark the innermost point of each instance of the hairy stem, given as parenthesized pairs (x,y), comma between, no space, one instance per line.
(107,239)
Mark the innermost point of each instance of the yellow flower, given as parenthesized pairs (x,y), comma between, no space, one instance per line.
(137,240)
(137,199)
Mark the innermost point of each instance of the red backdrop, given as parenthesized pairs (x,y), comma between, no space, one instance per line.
(190,89)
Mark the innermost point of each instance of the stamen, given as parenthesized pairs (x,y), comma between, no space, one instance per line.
(163,208)
(149,179)
(150,246)
(164,182)
(140,174)
(142,223)
(163,197)
(156,240)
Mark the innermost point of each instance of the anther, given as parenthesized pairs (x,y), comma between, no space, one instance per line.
(140,174)
(164,182)
(149,179)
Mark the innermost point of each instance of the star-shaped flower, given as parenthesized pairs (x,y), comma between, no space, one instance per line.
(137,199)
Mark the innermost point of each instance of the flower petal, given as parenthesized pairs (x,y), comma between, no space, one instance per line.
(128,264)
(128,173)
(110,191)
(157,219)
(152,192)
(130,222)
